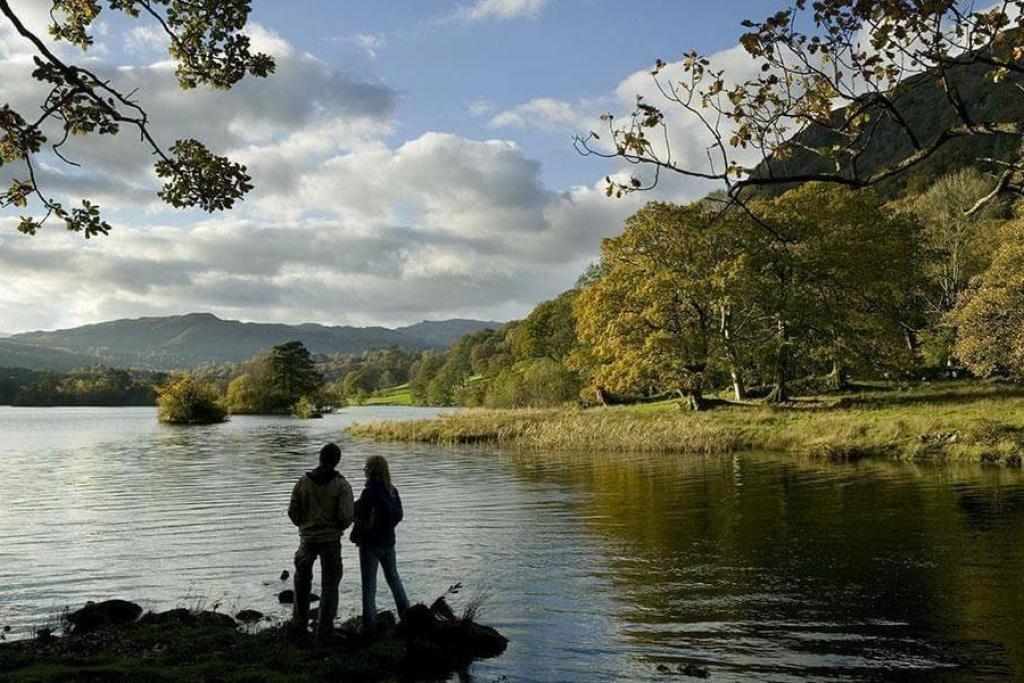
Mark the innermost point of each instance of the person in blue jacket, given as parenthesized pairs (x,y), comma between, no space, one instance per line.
(377,512)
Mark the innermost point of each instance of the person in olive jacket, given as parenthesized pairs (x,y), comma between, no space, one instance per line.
(322,508)
(378,511)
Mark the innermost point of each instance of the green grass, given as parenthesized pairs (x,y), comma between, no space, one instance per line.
(973,421)
(395,396)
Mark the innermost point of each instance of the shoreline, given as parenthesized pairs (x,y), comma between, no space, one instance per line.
(113,640)
(956,421)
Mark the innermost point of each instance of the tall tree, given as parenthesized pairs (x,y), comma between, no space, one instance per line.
(990,317)
(652,321)
(208,47)
(293,373)
(840,264)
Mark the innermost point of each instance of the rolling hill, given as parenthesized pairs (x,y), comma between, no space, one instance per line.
(186,341)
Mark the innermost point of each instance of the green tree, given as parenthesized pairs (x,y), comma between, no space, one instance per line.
(533,383)
(652,321)
(186,399)
(423,372)
(957,247)
(246,395)
(208,48)
(293,374)
(990,318)
(357,385)
(549,331)
(836,262)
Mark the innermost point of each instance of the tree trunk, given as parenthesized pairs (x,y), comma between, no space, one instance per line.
(694,395)
(779,393)
(837,378)
(697,402)
(601,396)
(739,389)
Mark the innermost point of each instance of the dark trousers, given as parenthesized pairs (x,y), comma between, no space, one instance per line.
(329,553)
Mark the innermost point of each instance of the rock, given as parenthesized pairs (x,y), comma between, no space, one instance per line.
(442,610)
(249,616)
(216,620)
(287,597)
(484,641)
(386,621)
(694,670)
(179,615)
(183,617)
(419,622)
(106,614)
(285,575)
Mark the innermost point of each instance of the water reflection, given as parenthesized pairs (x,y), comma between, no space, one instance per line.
(600,567)
(786,568)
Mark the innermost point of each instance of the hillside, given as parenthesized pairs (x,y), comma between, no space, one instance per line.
(19,355)
(186,341)
(926,110)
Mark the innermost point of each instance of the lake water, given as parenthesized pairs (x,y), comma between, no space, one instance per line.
(766,567)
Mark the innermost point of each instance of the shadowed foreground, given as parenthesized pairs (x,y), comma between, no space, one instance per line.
(112,643)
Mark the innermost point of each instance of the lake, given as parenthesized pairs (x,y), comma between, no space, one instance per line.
(597,567)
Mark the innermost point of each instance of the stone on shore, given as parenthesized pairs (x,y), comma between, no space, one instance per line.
(108,613)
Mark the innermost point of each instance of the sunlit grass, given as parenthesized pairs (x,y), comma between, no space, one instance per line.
(395,396)
(959,420)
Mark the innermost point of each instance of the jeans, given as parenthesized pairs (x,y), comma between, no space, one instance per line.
(329,553)
(369,558)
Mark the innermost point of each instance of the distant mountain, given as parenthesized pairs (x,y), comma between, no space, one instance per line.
(16,355)
(444,333)
(191,340)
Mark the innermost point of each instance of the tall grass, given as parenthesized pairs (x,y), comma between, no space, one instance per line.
(964,420)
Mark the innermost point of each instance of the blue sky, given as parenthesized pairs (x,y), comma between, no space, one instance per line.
(412,160)
(570,50)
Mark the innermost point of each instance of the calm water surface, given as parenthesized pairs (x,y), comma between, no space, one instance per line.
(758,567)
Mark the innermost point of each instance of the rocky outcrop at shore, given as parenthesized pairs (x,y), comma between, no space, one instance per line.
(114,640)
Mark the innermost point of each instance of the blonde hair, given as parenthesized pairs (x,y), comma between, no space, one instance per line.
(377,468)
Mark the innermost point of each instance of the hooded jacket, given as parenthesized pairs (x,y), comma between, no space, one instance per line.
(321,505)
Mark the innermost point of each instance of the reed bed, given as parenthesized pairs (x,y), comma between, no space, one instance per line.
(974,421)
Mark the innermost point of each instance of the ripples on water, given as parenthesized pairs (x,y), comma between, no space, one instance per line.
(598,567)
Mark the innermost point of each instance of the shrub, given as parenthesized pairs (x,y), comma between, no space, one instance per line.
(186,399)
(535,383)
(306,409)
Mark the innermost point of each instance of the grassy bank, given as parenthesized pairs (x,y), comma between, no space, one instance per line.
(395,396)
(180,645)
(975,421)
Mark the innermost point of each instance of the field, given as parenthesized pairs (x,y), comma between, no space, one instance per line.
(395,396)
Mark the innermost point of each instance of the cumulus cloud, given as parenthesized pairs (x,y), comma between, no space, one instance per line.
(544,113)
(500,10)
(345,226)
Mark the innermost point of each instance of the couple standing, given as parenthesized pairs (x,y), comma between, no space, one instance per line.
(322,507)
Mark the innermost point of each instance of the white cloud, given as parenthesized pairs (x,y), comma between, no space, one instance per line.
(480,107)
(500,10)
(543,113)
(145,40)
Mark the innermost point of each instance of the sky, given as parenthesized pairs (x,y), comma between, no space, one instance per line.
(412,160)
